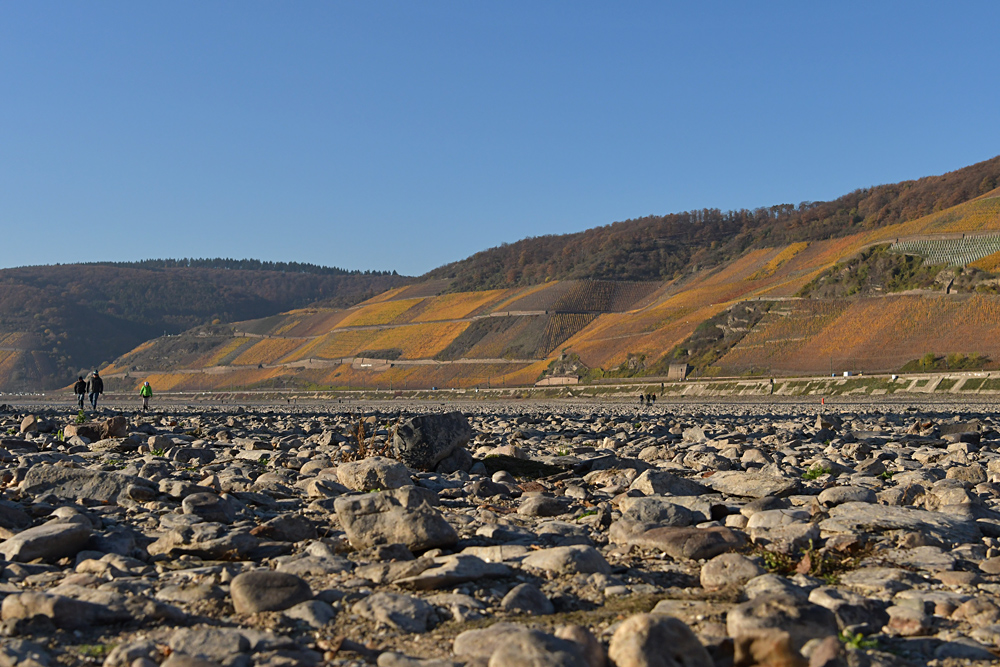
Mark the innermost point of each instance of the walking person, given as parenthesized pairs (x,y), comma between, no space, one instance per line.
(80,389)
(95,388)
(145,391)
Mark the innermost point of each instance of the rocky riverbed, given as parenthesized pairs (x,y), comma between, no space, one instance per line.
(502,534)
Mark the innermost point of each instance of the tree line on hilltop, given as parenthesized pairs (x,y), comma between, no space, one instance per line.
(660,247)
(244,265)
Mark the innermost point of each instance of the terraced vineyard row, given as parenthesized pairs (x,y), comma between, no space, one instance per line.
(954,252)
(229,350)
(870,335)
(779,260)
(266,351)
(603,296)
(496,337)
(544,298)
(418,341)
(385,312)
(459,305)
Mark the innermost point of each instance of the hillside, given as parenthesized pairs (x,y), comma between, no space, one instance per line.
(888,290)
(58,320)
(743,317)
(663,247)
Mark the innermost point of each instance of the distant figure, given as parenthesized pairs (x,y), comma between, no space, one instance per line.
(95,388)
(145,391)
(80,389)
(652,398)
(642,399)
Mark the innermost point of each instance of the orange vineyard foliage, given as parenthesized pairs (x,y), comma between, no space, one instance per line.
(267,351)
(457,306)
(990,263)
(417,341)
(216,357)
(878,334)
(378,313)
(778,260)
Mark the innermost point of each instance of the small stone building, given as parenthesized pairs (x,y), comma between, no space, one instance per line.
(678,372)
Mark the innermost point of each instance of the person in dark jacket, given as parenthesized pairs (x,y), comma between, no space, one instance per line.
(80,389)
(95,388)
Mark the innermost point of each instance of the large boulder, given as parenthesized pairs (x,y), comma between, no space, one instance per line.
(656,510)
(115,427)
(209,507)
(91,431)
(752,484)
(679,543)
(765,613)
(728,569)
(864,518)
(397,516)
(83,484)
(574,559)
(534,648)
(423,442)
(29,424)
(267,590)
(662,483)
(651,640)
(63,612)
(483,642)
(452,570)
(205,540)
(50,541)
(375,473)
(402,612)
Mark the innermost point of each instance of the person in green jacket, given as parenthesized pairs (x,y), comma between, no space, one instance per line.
(145,391)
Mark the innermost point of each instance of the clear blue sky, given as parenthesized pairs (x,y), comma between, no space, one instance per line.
(404,135)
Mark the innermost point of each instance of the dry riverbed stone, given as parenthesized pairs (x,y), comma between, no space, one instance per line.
(402,612)
(801,619)
(423,442)
(400,516)
(267,590)
(729,569)
(375,473)
(574,559)
(50,541)
(651,640)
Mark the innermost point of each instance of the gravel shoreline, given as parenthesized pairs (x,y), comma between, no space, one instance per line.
(557,532)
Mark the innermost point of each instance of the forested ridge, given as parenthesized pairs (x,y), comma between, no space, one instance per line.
(80,315)
(662,246)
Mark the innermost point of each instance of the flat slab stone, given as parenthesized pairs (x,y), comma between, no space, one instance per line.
(50,541)
(662,483)
(681,543)
(931,559)
(860,518)
(451,570)
(80,483)
(751,484)
(568,560)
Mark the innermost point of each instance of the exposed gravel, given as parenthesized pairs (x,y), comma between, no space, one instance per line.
(515,534)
